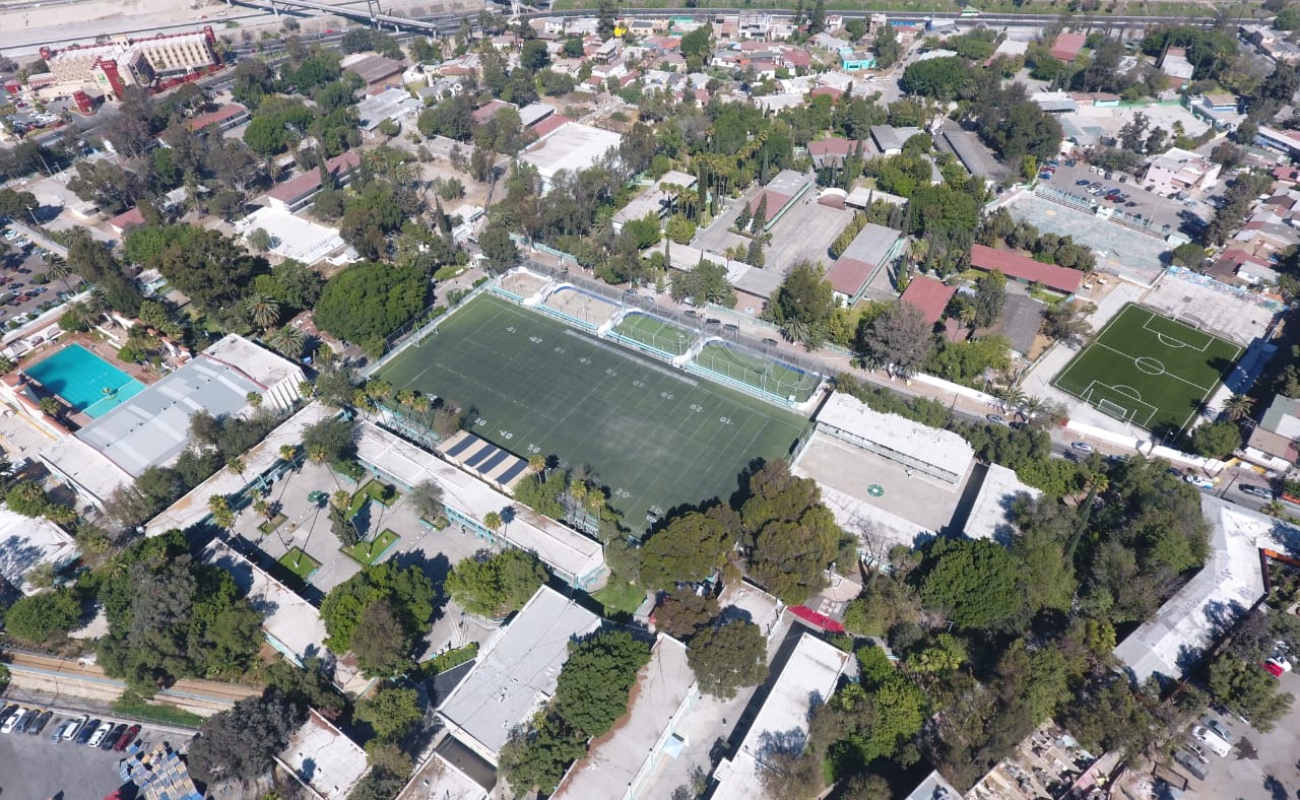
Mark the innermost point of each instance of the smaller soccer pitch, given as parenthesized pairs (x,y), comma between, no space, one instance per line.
(1148,369)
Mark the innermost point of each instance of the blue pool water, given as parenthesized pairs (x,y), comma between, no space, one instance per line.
(91,384)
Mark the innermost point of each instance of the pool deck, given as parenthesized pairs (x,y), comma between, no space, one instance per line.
(78,419)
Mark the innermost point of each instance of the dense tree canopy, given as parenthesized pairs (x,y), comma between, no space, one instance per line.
(405,593)
(43,617)
(689,549)
(240,744)
(495,585)
(792,536)
(369,300)
(592,690)
(728,657)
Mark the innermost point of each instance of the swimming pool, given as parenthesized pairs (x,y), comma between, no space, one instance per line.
(89,383)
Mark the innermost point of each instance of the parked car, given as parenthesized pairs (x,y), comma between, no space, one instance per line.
(1083,182)
(1282,662)
(12,721)
(1255,491)
(75,727)
(101,731)
(996,419)
(25,723)
(62,728)
(1199,481)
(40,722)
(111,739)
(87,730)
(1218,728)
(1214,743)
(1272,668)
(124,741)
(1196,750)
(1082,447)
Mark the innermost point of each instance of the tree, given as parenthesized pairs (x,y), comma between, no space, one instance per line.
(887,47)
(688,550)
(27,498)
(1247,689)
(803,304)
(426,498)
(369,300)
(497,585)
(974,582)
(792,535)
(331,441)
(380,643)
(990,297)
(705,283)
(900,339)
(240,744)
(496,244)
(728,657)
(260,240)
(591,692)
(408,593)
(1238,407)
(605,19)
(1216,439)
(43,617)
(391,713)
(1189,254)
(533,56)
(682,612)
(537,757)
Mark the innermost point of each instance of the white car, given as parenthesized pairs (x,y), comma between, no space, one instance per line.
(1199,481)
(1212,741)
(12,722)
(97,737)
(73,727)
(1281,661)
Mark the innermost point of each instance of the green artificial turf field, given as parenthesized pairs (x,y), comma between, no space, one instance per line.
(754,370)
(1149,369)
(655,435)
(660,335)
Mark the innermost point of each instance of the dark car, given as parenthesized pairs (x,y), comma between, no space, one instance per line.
(111,739)
(732,328)
(8,712)
(712,321)
(1255,491)
(87,731)
(40,722)
(770,342)
(124,741)
(1081,183)
(26,722)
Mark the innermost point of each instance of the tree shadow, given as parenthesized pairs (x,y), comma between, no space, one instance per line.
(1275,788)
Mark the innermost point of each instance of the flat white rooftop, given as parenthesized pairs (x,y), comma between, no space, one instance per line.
(516,672)
(324,758)
(619,764)
(292,236)
(572,147)
(942,449)
(809,677)
(1227,587)
(990,517)
(287,618)
(26,542)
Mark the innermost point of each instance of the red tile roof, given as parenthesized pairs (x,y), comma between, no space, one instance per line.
(216,117)
(847,276)
(550,125)
(1024,268)
(930,296)
(127,220)
(830,91)
(489,111)
(1067,45)
(302,185)
(775,202)
(833,146)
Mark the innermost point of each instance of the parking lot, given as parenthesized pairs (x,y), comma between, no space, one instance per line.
(22,272)
(1160,210)
(33,767)
(1262,766)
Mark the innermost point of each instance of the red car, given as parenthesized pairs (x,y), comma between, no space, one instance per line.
(1273,669)
(124,741)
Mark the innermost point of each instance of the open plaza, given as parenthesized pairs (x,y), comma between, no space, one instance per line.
(656,435)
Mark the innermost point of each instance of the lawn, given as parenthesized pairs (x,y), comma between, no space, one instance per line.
(1149,369)
(656,333)
(299,563)
(620,598)
(365,553)
(148,712)
(751,369)
(656,436)
(380,492)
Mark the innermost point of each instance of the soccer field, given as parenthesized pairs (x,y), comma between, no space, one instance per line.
(656,436)
(1149,369)
(778,380)
(656,333)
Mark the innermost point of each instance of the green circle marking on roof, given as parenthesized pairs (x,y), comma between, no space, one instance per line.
(875,490)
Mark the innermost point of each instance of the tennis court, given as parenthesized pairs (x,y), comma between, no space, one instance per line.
(773,377)
(655,435)
(1150,370)
(656,333)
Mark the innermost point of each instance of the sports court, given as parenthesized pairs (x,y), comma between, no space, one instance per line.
(662,336)
(773,377)
(1147,369)
(655,435)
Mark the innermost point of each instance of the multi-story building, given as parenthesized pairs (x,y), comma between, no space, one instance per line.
(115,65)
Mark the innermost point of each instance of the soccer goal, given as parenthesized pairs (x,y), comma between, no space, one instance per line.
(1115,410)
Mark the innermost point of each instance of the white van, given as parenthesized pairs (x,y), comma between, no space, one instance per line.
(98,736)
(1211,741)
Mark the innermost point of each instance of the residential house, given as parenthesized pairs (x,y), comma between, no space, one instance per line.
(856,60)
(1272,442)
(929,296)
(1067,46)
(1179,170)
(871,250)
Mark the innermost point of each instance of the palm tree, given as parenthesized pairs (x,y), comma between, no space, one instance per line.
(795,330)
(536,463)
(288,341)
(57,268)
(254,399)
(341,499)
(492,521)
(238,466)
(1238,407)
(97,302)
(378,389)
(222,514)
(406,397)
(7,364)
(288,452)
(1013,398)
(51,406)
(263,310)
